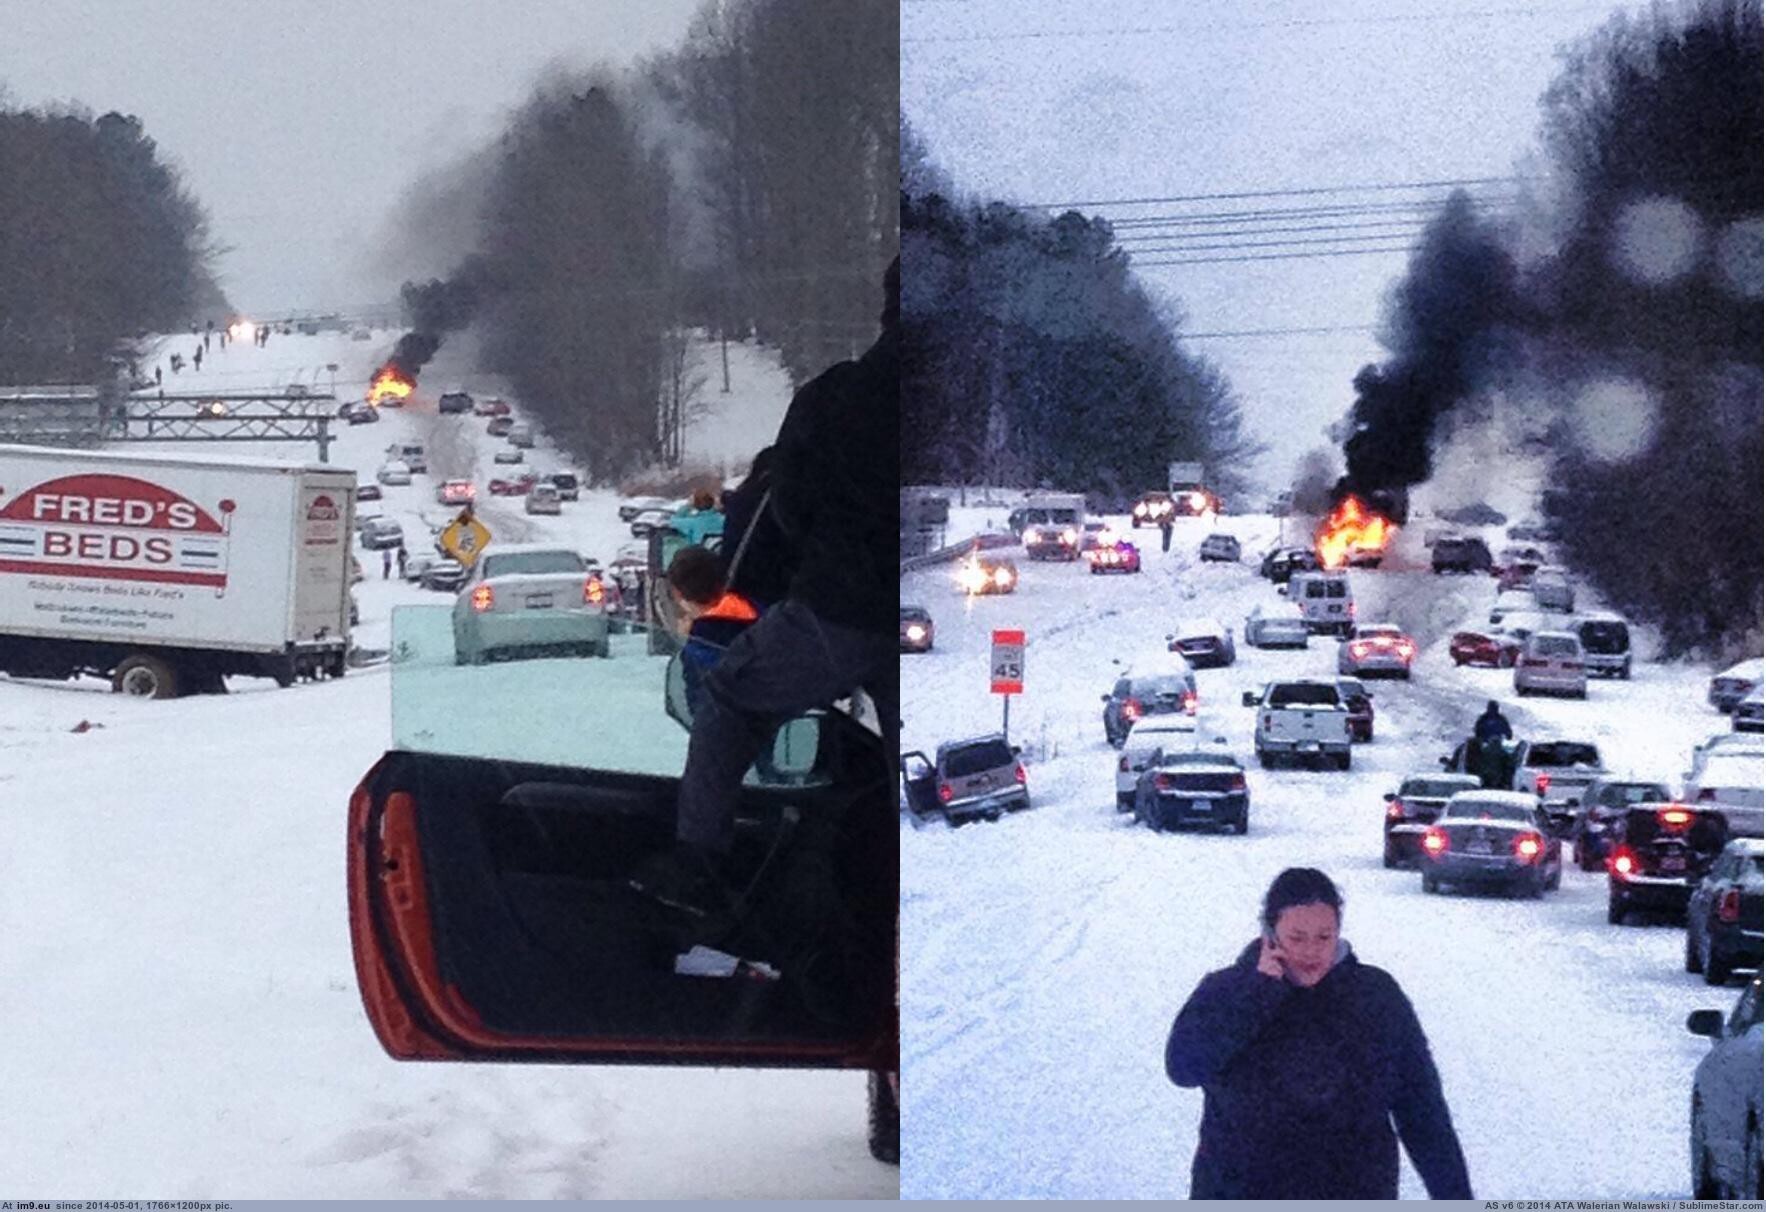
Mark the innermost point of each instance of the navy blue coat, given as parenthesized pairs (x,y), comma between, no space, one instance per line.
(1301,1088)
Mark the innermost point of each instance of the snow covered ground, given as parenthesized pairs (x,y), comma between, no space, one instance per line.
(1045,955)
(182,1014)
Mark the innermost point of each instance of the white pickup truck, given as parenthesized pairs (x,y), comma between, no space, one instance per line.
(1302,718)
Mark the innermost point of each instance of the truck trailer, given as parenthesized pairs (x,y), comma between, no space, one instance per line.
(168,573)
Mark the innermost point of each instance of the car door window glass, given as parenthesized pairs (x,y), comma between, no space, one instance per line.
(1747,1011)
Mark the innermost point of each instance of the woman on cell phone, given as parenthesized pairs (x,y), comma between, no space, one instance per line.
(1308,1060)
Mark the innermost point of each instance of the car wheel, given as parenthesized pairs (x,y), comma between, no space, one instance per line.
(1431,885)
(1344,761)
(1582,693)
(1717,971)
(1242,824)
(144,677)
(1704,1182)
(1389,859)
(1556,879)
(1615,909)
(1693,962)
(883,1110)
(1266,760)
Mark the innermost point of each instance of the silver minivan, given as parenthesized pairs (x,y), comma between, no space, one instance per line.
(1551,661)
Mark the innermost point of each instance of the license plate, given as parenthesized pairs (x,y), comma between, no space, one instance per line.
(1308,746)
(539,601)
(1673,864)
(1201,806)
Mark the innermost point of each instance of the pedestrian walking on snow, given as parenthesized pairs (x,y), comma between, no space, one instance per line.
(386,564)
(1165,533)
(402,559)
(1312,1066)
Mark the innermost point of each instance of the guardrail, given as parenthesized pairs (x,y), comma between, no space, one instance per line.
(944,555)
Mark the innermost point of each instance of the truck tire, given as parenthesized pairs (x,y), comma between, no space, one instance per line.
(884,1117)
(145,677)
(1344,761)
(1717,971)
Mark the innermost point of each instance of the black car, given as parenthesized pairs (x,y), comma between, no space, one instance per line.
(1460,554)
(1280,563)
(1190,790)
(916,629)
(1412,809)
(362,414)
(1136,697)
(1660,854)
(569,488)
(454,401)
(1723,921)
(1602,813)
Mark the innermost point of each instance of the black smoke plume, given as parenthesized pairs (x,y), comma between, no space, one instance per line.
(438,307)
(1444,325)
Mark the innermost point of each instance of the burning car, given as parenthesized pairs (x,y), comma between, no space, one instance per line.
(1355,534)
(390,387)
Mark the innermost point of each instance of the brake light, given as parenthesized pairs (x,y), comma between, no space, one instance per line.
(1729,908)
(1435,842)
(1528,846)
(1131,710)
(1674,819)
(1236,783)
(1358,648)
(1540,783)
(1164,782)
(1189,704)
(593,591)
(1352,610)
(945,793)
(1268,722)
(1018,773)
(1406,648)
(483,598)
(1395,810)
(1624,862)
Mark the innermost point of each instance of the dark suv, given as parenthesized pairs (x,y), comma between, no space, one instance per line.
(1723,920)
(454,401)
(1136,697)
(1460,554)
(1412,809)
(1604,804)
(1659,856)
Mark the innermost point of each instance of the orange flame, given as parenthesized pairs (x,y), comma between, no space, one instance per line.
(1351,524)
(389,382)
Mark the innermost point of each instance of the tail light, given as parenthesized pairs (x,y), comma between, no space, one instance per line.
(1236,783)
(1406,648)
(1358,648)
(1268,722)
(1623,862)
(1729,907)
(594,593)
(1675,820)
(1528,846)
(1352,610)
(483,598)
(1018,773)
(1435,842)
(1395,810)
(1164,782)
(1131,710)
(1540,783)
(1189,704)
(945,793)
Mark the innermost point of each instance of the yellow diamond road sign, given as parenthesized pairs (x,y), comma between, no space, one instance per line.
(465,538)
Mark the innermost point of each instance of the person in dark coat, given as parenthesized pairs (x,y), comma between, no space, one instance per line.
(1492,725)
(1165,533)
(832,489)
(714,615)
(1308,1061)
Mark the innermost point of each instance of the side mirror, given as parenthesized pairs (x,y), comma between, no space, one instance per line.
(1708,1023)
(1447,763)
(1282,589)
(1389,797)
(1103,698)
(1170,638)
(1250,699)
(1017,749)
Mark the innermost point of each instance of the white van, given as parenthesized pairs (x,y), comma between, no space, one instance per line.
(1324,599)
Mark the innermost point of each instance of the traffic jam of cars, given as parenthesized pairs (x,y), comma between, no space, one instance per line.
(1240,673)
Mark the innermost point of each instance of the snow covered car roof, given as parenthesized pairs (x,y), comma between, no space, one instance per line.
(1168,723)
(1752,670)
(1469,803)
(1189,629)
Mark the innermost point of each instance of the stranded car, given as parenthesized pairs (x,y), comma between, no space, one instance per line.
(1495,649)
(1113,554)
(381,533)
(1221,548)
(1138,695)
(1551,661)
(368,492)
(500,426)
(1203,642)
(1412,809)
(516,487)
(393,473)
(980,777)
(1724,1131)
(916,629)
(988,572)
(1723,923)
(1606,644)
(1147,738)
(454,401)
(1604,804)
(1492,837)
(455,492)
(509,456)
(1734,684)
(1749,715)
(530,600)
(1459,554)
(1283,628)
(543,498)
(1189,790)
(1376,648)
(1660,853)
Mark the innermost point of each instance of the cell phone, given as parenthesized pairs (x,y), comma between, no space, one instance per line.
(1269,936)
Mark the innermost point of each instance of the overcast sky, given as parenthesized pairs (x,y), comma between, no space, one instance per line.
(1047,101)
(298,123)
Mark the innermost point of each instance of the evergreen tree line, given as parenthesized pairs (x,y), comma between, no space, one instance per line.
(743,184)
(1033,357)
(99,242)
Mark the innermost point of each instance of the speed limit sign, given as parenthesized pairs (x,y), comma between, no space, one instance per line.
(1008,662)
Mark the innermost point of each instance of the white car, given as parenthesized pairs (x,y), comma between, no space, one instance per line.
(1551,588)
(1749,714)
(1551,661)
(544,498)
(631,508)
(394,472)
(530,599)
(1735,684)
(1279,629)
(1733,783)
(1376,648)
(1148,737)
(1513,601)
(509,456)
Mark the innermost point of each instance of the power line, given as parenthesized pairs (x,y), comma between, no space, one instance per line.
(1426,207)
(1411,227)
(1377,187)
(1305,256)
(1272,332)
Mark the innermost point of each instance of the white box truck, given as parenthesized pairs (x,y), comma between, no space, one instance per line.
(166,573)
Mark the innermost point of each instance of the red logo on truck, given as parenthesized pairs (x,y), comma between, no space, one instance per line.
(117,528)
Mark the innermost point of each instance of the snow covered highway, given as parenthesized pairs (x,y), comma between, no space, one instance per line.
(1044,955)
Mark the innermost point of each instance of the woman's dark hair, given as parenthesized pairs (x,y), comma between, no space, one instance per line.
(1300,886)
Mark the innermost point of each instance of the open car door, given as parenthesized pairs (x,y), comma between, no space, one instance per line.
(917,778)
(491,917)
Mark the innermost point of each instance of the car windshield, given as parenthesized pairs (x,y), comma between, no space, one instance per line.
(515,563)
(1302,694)
(1487,810)
(1554,645)
(1563,753)
(1615,794)
(1431,789)
(973,759)
(1162,686)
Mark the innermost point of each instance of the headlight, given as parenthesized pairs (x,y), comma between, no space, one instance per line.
(1002,576)
(1070,535)
(916,632)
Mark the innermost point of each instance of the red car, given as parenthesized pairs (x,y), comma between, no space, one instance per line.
(514,488)
(1120,556)
(1479,648)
